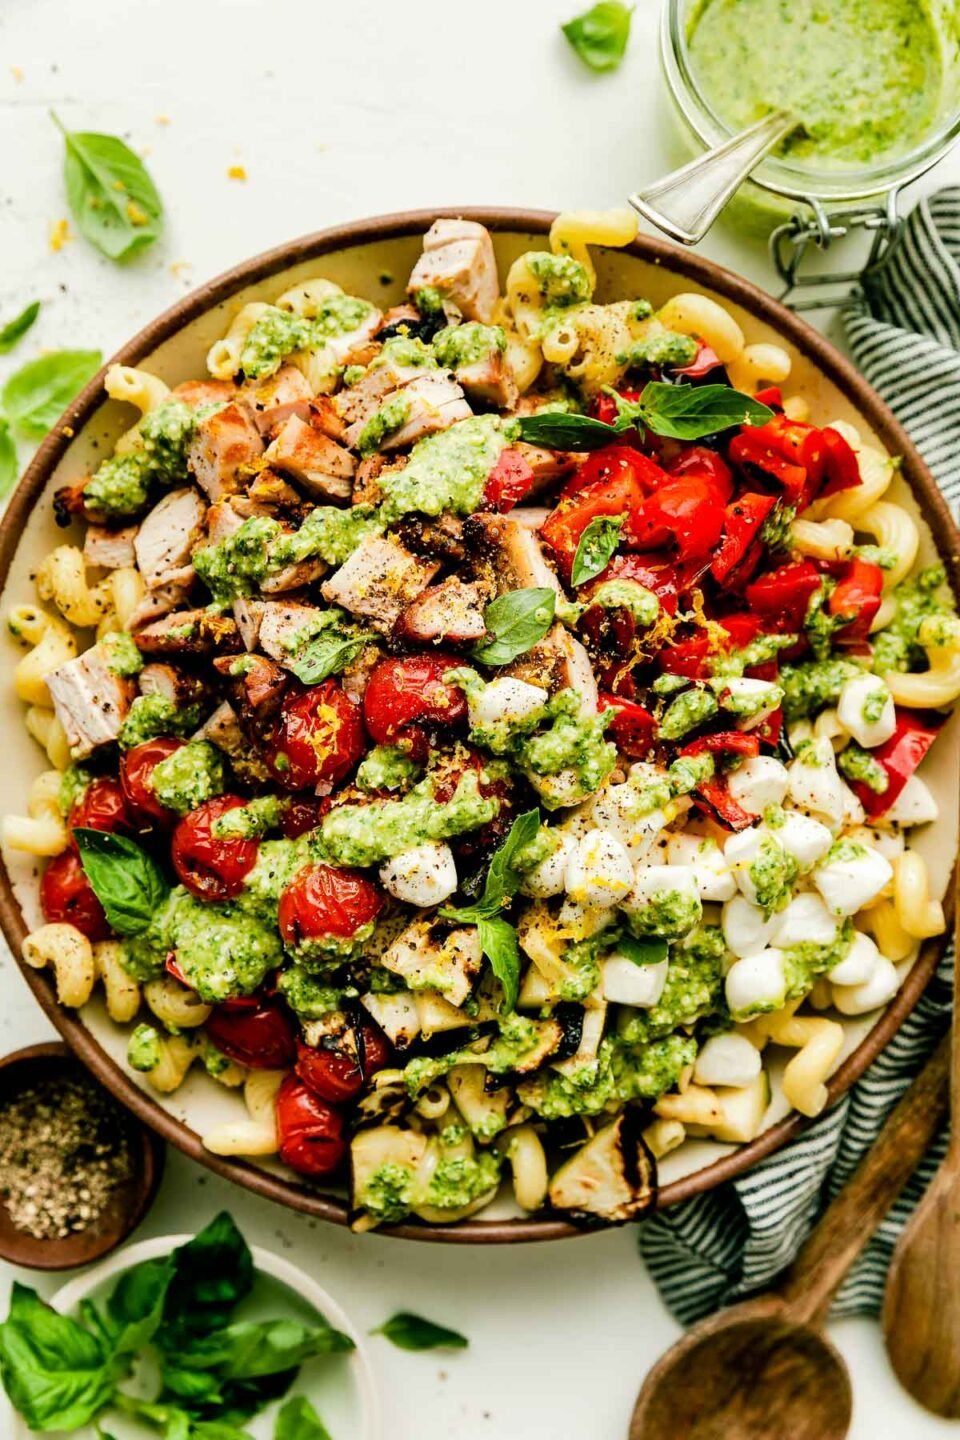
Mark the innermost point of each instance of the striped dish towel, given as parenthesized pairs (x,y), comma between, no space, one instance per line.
(903,328)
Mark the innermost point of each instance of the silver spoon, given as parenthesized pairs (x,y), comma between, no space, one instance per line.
(685,203)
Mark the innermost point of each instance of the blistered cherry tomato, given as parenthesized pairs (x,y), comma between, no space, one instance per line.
(302,815)
(408,692)
(318,738)
(136,768)
(102,806)
(508,481)
(261,1035)
(67,897)
(211,868)
(321,902)
(701,460)
(337,1076)
(310,1131)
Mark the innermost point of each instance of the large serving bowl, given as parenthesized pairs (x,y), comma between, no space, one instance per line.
(373,258)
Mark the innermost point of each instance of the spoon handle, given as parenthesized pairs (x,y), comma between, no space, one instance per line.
(851,1219)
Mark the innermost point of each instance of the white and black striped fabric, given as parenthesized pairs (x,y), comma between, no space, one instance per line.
(903,328)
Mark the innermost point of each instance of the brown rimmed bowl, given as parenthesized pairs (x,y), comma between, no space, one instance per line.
(373,258)
(129,1203)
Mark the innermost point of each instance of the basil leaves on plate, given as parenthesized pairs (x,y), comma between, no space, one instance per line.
(678,412)
(515,622)
(595,547)
(15,329)
(128,882)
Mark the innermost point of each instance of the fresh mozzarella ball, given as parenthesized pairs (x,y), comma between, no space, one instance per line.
(615,808)
(547,878)
(705,858)
(883,984)
(758,844)
(913,806)
(814,784)
(890,843)
(664,901)
(749,699)
(504,699)
(760,781)
(744,927)
(865,710)
(558,791)
(858,964)
(599,871)
(853,811)
(806,920)
(850,876)
(577,922)
(756,983)
(727,1060)
(625,983)
(803,837)
(423,876)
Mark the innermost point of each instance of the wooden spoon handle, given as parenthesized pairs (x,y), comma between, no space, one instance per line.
(851,1219)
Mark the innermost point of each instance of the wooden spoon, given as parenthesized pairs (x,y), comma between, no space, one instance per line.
(762,1368)
(921,1308)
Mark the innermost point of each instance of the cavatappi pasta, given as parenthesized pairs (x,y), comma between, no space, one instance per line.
(486,801)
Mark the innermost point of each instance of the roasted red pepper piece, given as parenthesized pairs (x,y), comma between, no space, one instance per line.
(702,364)
(691,657)
(740,549)
(509,480)
(772,396)
(632,729)
(701,460)
(784,594)
(619,492)
(841,469)
(713,796)
(684,514)
(900,755)
(858,594)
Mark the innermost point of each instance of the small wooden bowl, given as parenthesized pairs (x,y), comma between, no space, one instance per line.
(130,1201)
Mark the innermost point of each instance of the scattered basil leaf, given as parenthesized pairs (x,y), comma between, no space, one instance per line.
(326,654)
(298,1420)
(499,943)
(246,1350)
(8,459)
(556,430)
(600,35)
(641,952)
(502,879)
(213,1272)
(412,1332)
(37,394)
(688,412)
(14,330)
(112,197)
(515,621)
(595,547)
(57,1375)
(130,885)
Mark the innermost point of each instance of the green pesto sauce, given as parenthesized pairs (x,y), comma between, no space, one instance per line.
(628,595)
(403,351)
(925,595)
(367,834)
(804,962)
(189,776)
(460,1179)
(387,767)
(329,533)
(772,873)
(121,486)
(250,821)
(693,989)
(385,422)
(561,280)
(73,786)
(446,471)
(864,77)
(152,715)
(663,348)
(855,763)
(667,915)
(221,950)
(814,684)
(621,1072)
(123,657)
(260,547)
(692,708)
(458,346)
(309,996)
(388,1194)
(746,706)
(279,333)
(143,1049)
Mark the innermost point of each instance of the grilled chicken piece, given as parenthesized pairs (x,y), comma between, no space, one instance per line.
(510,551)
(294,577)
(224,448)
(433,957)
(439,539)
(366,485)
(271,402)
(451,611)
(167,536)
(434,402)
(248,614)
(490,380)
(269,491)
(379,581)
(204,392)
(353,677)
(325,416)
(558,662)
(223,520)
(157,603)
(529,516)
(279,621)
(549,466)
(110,549)
(189,632)
(458,260)
(358,402)
(260,689)
(90,702)
(319,465)
(352,348)
(175,685)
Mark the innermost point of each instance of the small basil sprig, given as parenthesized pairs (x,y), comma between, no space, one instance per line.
(326,654)
(113,200)
(36,395)
(130,885)
(412,1332)
(641,952)
(600,35)
(298,1420)
(16,329)
(678,412)
(595,547)
(515,621)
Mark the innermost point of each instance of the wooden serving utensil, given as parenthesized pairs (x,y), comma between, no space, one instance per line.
(921,1307)
(762,1367)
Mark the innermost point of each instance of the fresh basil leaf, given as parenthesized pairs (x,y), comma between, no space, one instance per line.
(298,1420)
(8,459)
(37,394)
(57,1375)
(213,1272)
(130,885)
(498,940)
(217,1430)
(194,1388)
(594,548)
(111,195)
(503,881)
(600,35)
(135,1305)
(515,621)
(247,1349)
(642,952)
(14,330)
(412,1332)
(688,412)
(326,654)
(560,431)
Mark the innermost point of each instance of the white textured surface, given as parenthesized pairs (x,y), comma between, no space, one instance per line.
(339,112)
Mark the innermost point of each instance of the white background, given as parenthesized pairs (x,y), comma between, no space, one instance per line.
(336,112)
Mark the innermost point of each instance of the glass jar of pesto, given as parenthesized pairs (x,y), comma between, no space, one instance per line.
(874,84)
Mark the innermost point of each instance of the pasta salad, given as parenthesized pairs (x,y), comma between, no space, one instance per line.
(479,730)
